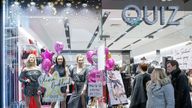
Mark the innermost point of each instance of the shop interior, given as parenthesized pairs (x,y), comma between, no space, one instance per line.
(84,25)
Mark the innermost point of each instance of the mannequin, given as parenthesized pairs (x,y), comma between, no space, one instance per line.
(79,76)
(60,67)
(29,76)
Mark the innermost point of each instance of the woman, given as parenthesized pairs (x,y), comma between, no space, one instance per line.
(79,76)
(60,67)
(139,93)
(160,91)
(29,76)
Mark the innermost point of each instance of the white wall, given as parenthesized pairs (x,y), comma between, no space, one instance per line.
(181,52)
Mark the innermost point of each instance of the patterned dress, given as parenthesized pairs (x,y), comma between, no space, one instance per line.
(32,87)
(80,79)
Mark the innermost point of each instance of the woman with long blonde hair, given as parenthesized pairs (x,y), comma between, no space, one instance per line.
(79,76)
(29,77)
(160,91)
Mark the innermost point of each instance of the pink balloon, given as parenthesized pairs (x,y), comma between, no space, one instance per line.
(58,47)
(46,65)
(89,56)
(92,76)
(110,63)
(106,51)
(47,55)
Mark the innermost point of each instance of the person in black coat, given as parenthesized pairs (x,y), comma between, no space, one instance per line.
(180,84)
(139,93)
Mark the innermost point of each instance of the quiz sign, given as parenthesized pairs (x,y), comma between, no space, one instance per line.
(95,89)
(136,20)
(53,85)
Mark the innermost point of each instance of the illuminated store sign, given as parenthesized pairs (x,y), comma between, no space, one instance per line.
(133,21)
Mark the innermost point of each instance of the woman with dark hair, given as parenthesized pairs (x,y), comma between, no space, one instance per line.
(139,93)
(60,67)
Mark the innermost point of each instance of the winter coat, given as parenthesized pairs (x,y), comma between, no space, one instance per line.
(160,96)
(139,95)
(181,88)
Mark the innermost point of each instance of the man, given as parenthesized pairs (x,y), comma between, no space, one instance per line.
(180,84)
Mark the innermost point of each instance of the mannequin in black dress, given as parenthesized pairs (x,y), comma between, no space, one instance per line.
(29,77)
(60,67)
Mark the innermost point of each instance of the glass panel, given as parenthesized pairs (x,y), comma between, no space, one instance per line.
(33,26)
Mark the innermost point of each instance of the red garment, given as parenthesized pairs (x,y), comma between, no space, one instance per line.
(32,103)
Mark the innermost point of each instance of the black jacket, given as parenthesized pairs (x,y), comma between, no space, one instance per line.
(139,93)
(181,89)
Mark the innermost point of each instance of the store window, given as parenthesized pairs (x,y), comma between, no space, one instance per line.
(32,27)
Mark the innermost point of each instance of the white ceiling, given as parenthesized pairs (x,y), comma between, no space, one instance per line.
(114,26)
(49,29)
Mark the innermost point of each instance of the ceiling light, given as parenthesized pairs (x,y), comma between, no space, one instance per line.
(32,3)
(61,3)
(67,12)
(97,7)
(56,3)
(28,5)
(16,3)
(68,4)
(78,2)
(66,18)
(50,4)
(84,5)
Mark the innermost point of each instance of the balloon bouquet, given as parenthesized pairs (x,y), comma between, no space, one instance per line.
(94,72)
(48,55)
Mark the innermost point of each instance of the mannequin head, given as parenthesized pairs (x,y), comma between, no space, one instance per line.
(80,60)
(31,61)
(60,61)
